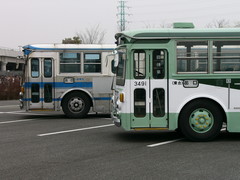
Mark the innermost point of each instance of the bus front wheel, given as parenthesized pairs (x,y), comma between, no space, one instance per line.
(201,120)
(76,105)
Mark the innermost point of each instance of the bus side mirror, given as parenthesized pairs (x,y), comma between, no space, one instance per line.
(116,59)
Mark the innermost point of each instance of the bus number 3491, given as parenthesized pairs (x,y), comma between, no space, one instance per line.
(140,83)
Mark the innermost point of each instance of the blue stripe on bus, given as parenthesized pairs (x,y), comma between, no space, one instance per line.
(102,98)
(59,99)
(60,84)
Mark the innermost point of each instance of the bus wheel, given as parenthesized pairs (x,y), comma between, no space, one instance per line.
(201,120)
(76,105)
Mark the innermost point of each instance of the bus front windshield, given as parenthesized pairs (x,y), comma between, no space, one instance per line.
(121,67)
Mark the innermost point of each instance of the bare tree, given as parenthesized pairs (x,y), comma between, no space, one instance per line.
(222,23)
(162,25)
(93,35)
(237,24)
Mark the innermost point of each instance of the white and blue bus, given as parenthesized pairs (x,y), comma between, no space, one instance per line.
(70,77)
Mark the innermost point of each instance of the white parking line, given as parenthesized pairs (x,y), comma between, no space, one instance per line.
(9,106)
(172,141)
(24,113)
(74,130)
(163,143)
(16,121)
(21,112)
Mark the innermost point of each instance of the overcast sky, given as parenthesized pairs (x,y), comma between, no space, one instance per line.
(25,22)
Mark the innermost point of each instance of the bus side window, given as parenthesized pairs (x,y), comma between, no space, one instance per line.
(139,102)
(47,67)
(158,102)
(158,64)
(35,95)
(35,67)
(113,68)
(226,56)
(139,64)
(192,56)
(92,63)
(70,62)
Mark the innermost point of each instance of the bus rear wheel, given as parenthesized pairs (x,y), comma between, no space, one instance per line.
(76,105)
(201,120)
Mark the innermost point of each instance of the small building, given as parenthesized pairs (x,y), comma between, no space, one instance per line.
(11,60)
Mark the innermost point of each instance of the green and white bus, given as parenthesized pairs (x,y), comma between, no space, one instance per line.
(182,79)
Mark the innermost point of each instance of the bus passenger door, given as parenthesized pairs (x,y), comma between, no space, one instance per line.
(41,84)
(149,89)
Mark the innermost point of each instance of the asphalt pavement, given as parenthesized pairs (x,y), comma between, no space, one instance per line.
(47,145)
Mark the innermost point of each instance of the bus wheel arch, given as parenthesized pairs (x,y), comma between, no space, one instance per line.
(76,104)
(201,119)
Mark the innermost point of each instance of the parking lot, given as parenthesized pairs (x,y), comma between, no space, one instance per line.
(47,145)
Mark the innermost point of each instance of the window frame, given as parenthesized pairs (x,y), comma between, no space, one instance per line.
(137,102)
(38,69)
(135,69)
(44,68)
(92,63)
(216,56)
(190,58)
(156,62)
(120,78)
(79,63)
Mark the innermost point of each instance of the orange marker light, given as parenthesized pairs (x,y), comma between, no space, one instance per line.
(121,97)
(22,89)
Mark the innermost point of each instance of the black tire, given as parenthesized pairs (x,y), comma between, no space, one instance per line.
(201,120)
(76,105)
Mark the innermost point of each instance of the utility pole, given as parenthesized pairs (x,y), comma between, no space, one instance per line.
(122,13)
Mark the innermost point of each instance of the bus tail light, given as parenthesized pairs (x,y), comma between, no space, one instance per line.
(121,97)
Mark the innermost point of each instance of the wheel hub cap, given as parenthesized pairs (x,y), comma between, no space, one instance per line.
(76,104)
(201,120)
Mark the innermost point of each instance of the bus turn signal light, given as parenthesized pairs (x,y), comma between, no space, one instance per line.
(22,89)
(121,97)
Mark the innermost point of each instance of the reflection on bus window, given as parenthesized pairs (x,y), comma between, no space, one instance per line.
(35,95)
(47,67)
(226,56)
(158,102)
(47,92)
(113,68)
(92,63)
(70,63)
(192,56)
(139,64)
(158,64)
(35,67)
(139,103)
(120,72)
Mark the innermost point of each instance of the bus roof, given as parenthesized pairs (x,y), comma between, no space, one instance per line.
(69,46)
(59,47)
(179,33)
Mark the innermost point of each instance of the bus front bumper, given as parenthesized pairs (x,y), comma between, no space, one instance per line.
(21,105)
(116,120)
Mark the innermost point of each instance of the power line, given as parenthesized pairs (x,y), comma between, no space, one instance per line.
(122,13)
